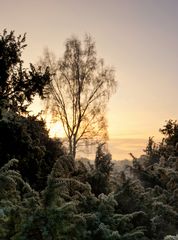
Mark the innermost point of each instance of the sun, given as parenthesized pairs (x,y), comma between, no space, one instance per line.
(55,129)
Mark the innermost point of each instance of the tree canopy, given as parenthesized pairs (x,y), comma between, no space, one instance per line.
(26,139)
(79,91)
(22,136)
(18,85)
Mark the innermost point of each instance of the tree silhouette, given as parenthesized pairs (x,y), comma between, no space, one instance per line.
(79,91)
(100,177)
(27,139)
(18,85)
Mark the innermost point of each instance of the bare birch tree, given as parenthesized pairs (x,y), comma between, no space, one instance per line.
(79,91)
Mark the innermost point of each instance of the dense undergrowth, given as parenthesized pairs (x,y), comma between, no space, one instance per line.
(85,201)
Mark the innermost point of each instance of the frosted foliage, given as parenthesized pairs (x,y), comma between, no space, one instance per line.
(169,237)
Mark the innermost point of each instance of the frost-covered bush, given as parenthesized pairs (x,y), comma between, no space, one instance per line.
(169,237)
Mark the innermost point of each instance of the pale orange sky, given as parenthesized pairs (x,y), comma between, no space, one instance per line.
(137,37)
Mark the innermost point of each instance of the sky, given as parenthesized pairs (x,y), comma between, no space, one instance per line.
(138,38)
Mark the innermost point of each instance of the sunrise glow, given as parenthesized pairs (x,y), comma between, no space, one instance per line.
(55,129)
(138,38)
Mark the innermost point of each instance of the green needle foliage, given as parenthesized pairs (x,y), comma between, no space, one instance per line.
(18,85)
